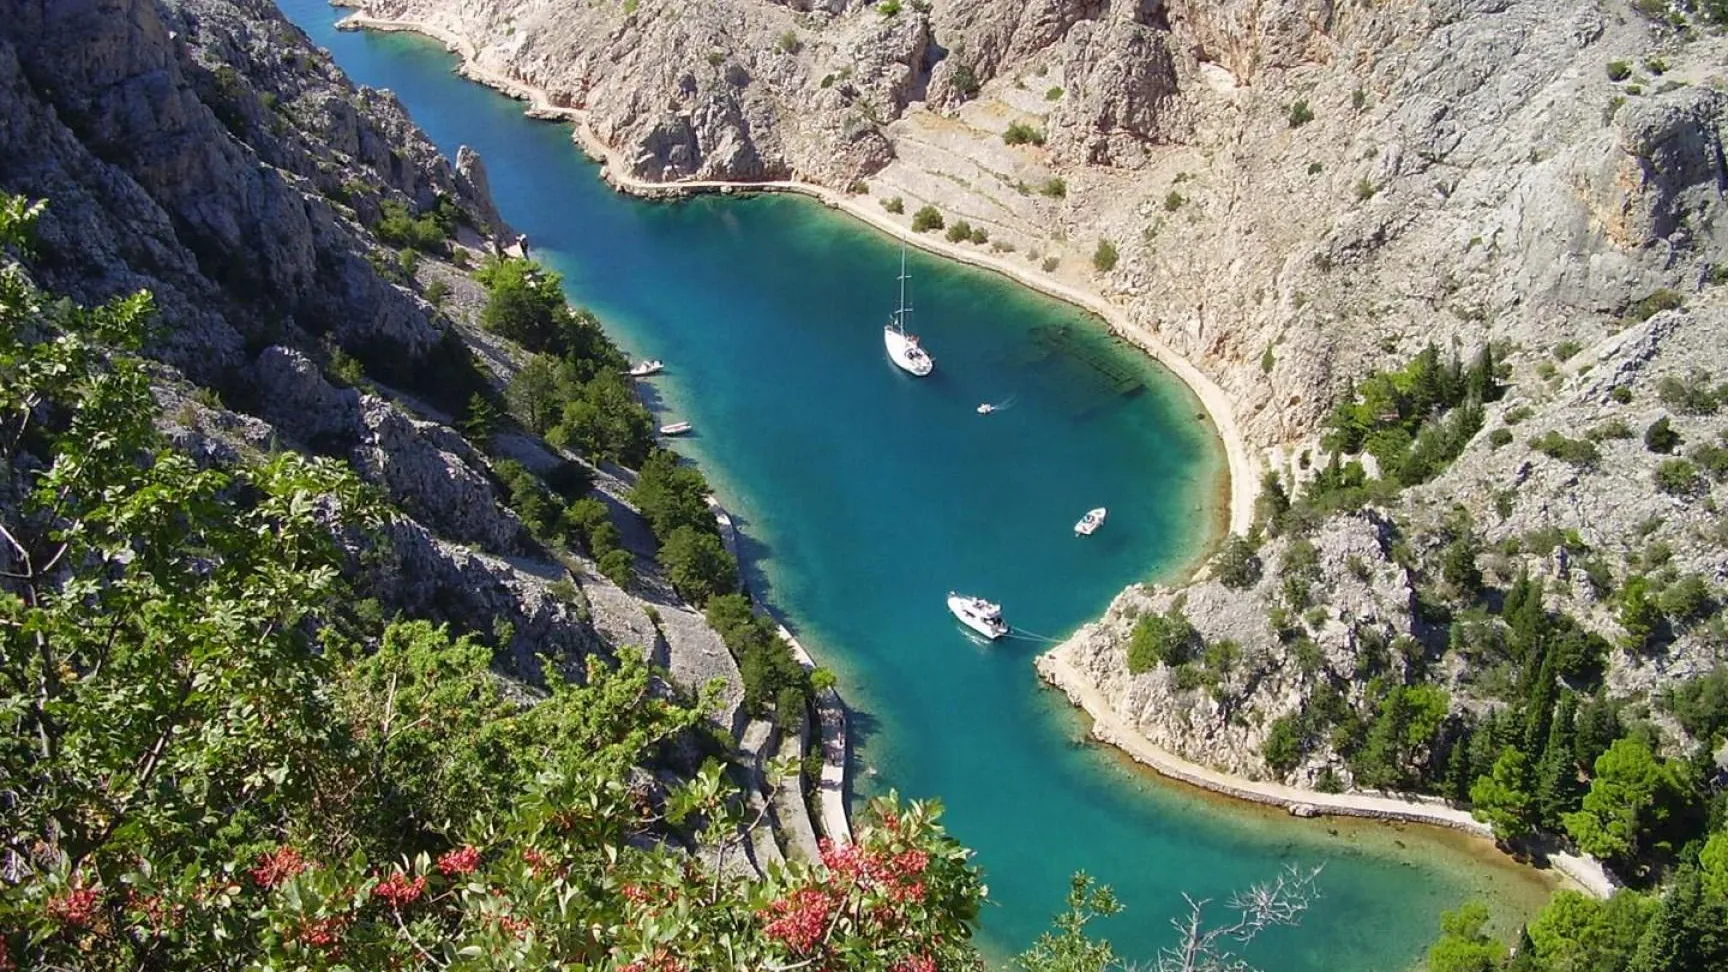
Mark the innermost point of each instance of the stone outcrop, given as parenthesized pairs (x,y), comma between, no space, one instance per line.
(204,150)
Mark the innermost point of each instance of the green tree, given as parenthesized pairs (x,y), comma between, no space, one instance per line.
(1577,932)
(671,494)
(1463,945)
(1068,948)
(1236,565)
(533,394)
(1632,796)
(1713,866)
(1160,639)
(481,420)
(1640,615)
(698,565)
(1502,799)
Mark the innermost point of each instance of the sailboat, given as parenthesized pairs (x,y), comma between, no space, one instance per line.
(903,348)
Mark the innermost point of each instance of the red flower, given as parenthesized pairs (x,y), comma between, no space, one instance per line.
(275,868)
(322,933)
(908,892)
(461,861)
(398,890)
(799,919)
(635,893)
(912,862)
(76,907)
(917,963)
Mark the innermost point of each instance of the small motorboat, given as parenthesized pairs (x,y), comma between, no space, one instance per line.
(676,428)
(645,368)
(978,614)
(986,408)
(1090,522)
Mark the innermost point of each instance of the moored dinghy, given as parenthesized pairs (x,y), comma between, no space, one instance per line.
(646,368)
(676,428)
(1090,522)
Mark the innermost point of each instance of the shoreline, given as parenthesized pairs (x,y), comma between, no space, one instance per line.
(1240,466)
(1053,666)
(1058,672)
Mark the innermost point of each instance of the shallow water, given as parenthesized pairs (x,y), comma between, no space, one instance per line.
(867,495)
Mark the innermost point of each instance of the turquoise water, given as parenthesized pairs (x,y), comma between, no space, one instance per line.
(866,495)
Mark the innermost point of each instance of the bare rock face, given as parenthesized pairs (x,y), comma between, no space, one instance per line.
(981,37)
(1123,79)
(1247,37)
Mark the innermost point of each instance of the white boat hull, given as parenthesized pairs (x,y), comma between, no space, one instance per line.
(676,428)
(904,351)
(989,627)
(1090,523)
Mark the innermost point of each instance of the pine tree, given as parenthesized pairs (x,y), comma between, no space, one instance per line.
(481,419)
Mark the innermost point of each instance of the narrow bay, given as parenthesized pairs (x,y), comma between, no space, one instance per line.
(867,495)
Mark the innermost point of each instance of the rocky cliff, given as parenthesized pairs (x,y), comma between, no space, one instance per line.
(1295,193)
(204,150)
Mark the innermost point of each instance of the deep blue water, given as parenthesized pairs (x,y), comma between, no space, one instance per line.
(866,495)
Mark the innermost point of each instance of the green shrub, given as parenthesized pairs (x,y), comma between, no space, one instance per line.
(980,235)
(1365,189)
(1649,306)
(1160,639)
(1691,395)
(1300,114)
(1315,168)
(1621,394)
(1499,437)
(1358,99)
(1053,94)
(1687,600)
(966,80)
(790,43)
(1054,188)
(959,231)
(1267,360)
(1678,477)
(1173,201)
(1712,460)
(617,566)
(1104,257)
(1577,452)
(1564,350)
(926,218)
(895,205)
(1614,428)
(1020,133)
(1051,263)
(1619,70)
(1660,437)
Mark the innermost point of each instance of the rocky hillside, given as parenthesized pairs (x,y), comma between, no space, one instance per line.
(308,251)
(1296,197)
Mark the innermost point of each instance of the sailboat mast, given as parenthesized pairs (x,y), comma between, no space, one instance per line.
(900,315)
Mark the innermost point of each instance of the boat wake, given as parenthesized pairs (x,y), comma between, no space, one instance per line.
(1002,406)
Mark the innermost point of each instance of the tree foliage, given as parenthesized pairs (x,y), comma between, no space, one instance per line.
(1160,639)
(214,760)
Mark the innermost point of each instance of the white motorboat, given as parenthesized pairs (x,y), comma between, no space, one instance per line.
(904,349)
(978,614)
(676,428)
(1090,522)
(646,368)
(986,408)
